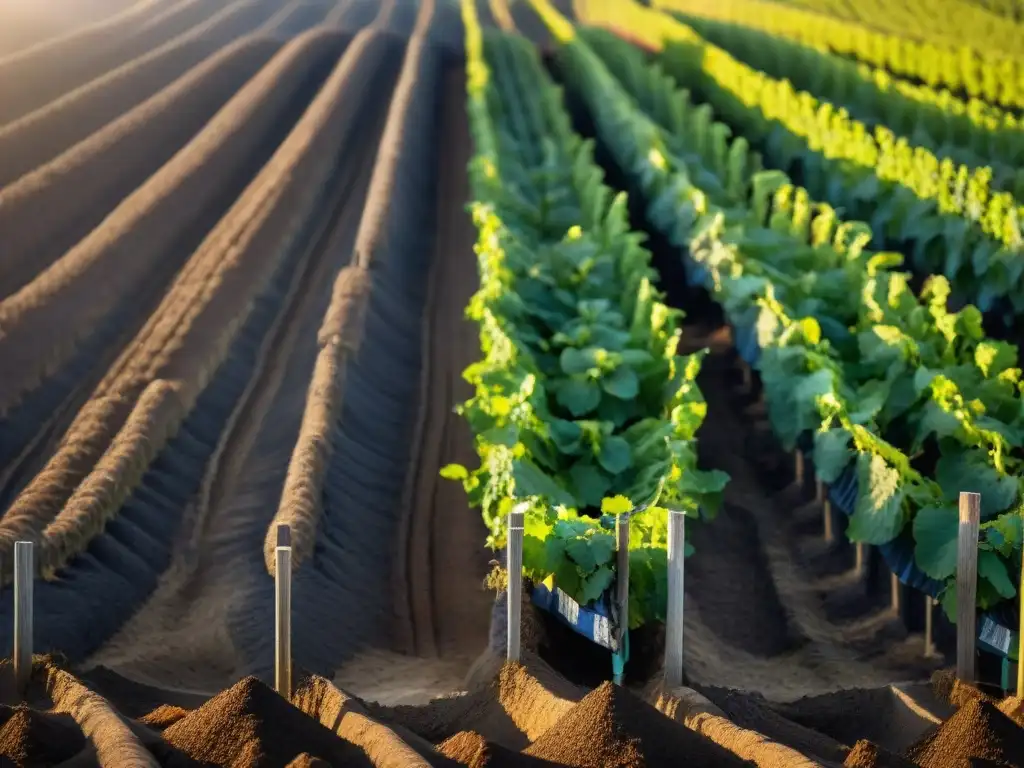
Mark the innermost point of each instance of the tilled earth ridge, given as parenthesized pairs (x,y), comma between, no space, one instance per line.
(521,717)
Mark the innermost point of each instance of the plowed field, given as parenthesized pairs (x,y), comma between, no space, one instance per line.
(235,259)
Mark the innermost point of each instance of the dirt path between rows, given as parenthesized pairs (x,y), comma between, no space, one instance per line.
(181,638)
(446,557)
(754,618)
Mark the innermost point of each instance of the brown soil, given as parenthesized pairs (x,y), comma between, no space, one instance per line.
(33,738)
(612,727)
(164,716)
(977,730)
(866,754)
(472,749)
(250,725)
(447,610)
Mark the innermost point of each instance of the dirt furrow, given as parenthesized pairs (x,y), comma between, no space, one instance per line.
(448,609)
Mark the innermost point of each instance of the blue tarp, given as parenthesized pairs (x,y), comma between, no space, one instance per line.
(594,622)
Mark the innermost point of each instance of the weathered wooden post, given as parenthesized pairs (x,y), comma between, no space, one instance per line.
(622,580)
(283,611)
(967,585)
(929,626)
(514,550)
(676,599)
(821,496)
(23,630)
(1020,639)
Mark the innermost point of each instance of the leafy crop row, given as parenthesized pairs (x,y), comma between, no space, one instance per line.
(582,405)
(888,383)
(948,215)
(945,22)
(971,132)
(995,79)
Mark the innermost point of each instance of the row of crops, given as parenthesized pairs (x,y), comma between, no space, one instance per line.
(798,213)
(582,404)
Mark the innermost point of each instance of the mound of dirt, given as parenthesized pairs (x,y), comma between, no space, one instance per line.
(866,754)
(250,725)
(1013,708)
(29,737)
(472,749)
(306,760)
(977,731)
(164,716)
(612,727)
(948,688)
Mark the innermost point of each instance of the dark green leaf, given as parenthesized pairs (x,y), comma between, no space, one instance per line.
(615,455)
(622,383)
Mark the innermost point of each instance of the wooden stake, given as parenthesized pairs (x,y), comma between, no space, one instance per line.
(23,631)
(514,555)
(826,516)
(798,468)
(861,557)
(622,579)
(283,611)
(894,592)
(1020,639)
(676,599)
(929,630)
(967,585)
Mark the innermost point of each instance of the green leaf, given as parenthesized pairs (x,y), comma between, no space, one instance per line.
(595,585)
(935,536)
(615,455)
(579,396)
(579,550)
(993,569)
(575,361)
(567,435)
(877,516)
(530,480)
(590,482)
(454,472)
(567,578)
(623,383)
(971,471)
(832,454)
(602,545)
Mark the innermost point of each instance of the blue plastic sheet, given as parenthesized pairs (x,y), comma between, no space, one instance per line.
(594,622)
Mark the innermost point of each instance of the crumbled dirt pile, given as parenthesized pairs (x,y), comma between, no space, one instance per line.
(306,760)
(948,688)
(612,727)
(472,749)
(250,725)
(164,716)
(977,730)
(866,754)
(1013,708)
(30,738)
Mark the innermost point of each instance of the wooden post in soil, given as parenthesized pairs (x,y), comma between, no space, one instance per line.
(1020,640)
(821,496)
(967,585)
(676,599)
(514,555)
(861,554)
(622,579)
(798,468)
(283,612)
(24,574)
(894,592)
(929,626)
